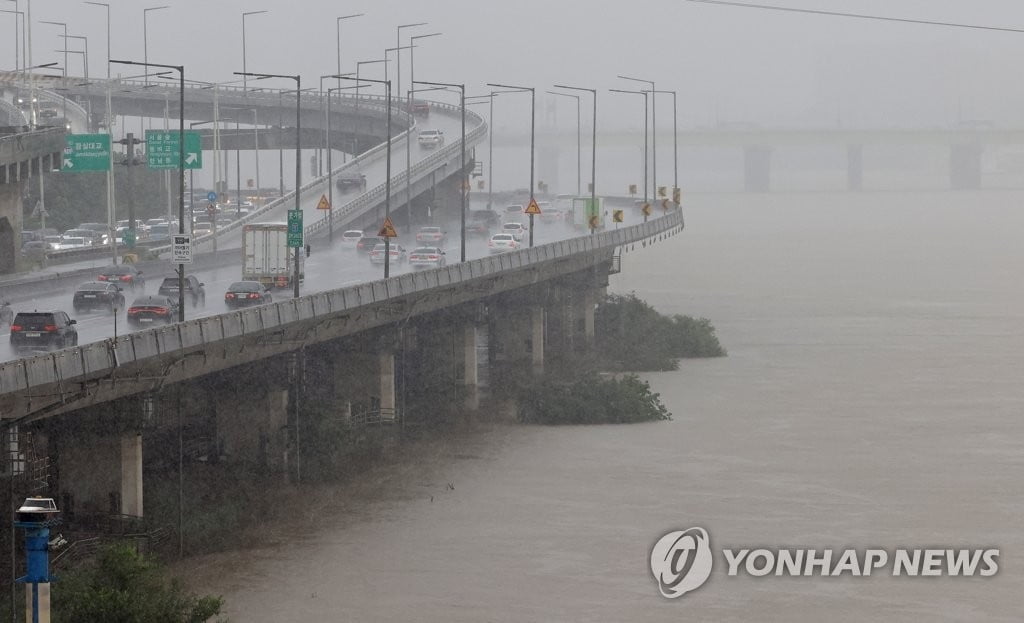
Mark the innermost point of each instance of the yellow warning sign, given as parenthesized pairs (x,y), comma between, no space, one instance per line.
(617,216)
(533,208)
(595,221)
(388,230)
(324,203)
(646,209)
(664,204)
(676,195)
(662,191)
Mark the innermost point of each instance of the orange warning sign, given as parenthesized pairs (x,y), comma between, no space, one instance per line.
(324,203)
(617,216)
(664,205)
(533,208)
(646,209)
(388,230)
(595,222)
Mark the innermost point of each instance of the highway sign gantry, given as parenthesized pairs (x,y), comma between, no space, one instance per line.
(86,152)
(295,229)
(163,150)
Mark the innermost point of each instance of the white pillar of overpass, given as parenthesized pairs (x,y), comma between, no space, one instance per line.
(386,361)
(470,377)
(588,300)
(537,337)
(131,474)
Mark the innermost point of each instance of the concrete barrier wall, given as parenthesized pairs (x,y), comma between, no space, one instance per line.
(102,358)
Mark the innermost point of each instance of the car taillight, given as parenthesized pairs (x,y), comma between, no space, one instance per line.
(126,277)
(161,311)
(490,243)
(432,257)
(132,311)
(101,278)
(254,295)
(15,328)
(229,295)
(49,328)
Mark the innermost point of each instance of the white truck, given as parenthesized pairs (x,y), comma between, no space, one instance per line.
(583,208)
(266,256)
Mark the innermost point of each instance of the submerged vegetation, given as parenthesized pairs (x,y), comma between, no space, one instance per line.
(591,399)
(122,585)
(632,335)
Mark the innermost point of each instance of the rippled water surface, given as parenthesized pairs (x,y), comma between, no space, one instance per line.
(872,397)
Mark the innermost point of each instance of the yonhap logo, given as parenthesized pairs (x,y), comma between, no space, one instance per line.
(681,561)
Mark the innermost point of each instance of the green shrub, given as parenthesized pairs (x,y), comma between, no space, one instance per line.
(590,399)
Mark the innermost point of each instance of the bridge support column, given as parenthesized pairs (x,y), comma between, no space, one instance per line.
(251,425)
(131,474)
(757,168)
(10,226)
(386,363)
(537,338)
(469,366)
(965,167)
(588,300)
(854,167)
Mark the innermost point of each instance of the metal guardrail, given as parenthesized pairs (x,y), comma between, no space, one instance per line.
(374,416)
(63,367)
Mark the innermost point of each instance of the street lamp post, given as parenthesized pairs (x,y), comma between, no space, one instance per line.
(398,46)
(398,55)
(337,23)
(355,130)
(408,154)
(593,145)
(490,139)
(654,134)
(330,161)
(579,134)
(181,172)
(644,93)
(85,61)
(145,35)
(387,172)
(245,15)
(65,36)
(107,7)
(675,142)
(298,152)
(462,162)
(533,124)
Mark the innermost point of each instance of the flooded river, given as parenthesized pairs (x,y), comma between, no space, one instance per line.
(872,398)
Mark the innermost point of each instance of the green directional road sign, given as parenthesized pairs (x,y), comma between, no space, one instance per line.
(295,228)
(86,152)
(163,151)
(129,238)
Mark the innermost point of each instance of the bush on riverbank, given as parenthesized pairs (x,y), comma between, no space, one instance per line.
(590,399)
(632,335)
(122,585)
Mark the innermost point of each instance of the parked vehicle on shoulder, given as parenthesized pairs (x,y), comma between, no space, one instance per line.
(398,254)
(427,257)
(126,275)
(430,138)
(49,330)
(245,293)
(195,291)
(97,295)
(152,309)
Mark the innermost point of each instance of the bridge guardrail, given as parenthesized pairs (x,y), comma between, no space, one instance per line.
(97,359)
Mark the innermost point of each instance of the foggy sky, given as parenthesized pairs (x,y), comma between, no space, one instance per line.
(728,64)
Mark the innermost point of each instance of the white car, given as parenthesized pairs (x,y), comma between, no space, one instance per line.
(517,230)
(73,242)
(500,243)
(513,213)
(351,238)
(430,138)
(426,257)
(431,234)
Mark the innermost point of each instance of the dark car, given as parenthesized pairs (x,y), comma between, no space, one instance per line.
(152,309)
(98,295)
(350,179)
(126,275)
(243,293)
(366,244)
(195,292)
(481,222)
(37,330)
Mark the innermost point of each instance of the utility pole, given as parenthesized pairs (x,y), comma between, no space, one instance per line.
(129,161)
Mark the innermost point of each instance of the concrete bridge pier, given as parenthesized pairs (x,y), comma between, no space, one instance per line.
(855,167)
(965,167)
(106,470)
(131,474)
(10,225)
(251,424)
(467,346)
(537,330)
(757,168)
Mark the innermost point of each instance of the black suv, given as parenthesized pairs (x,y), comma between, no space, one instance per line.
(36,330)
(350,179)
(194,290)
(98,294)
